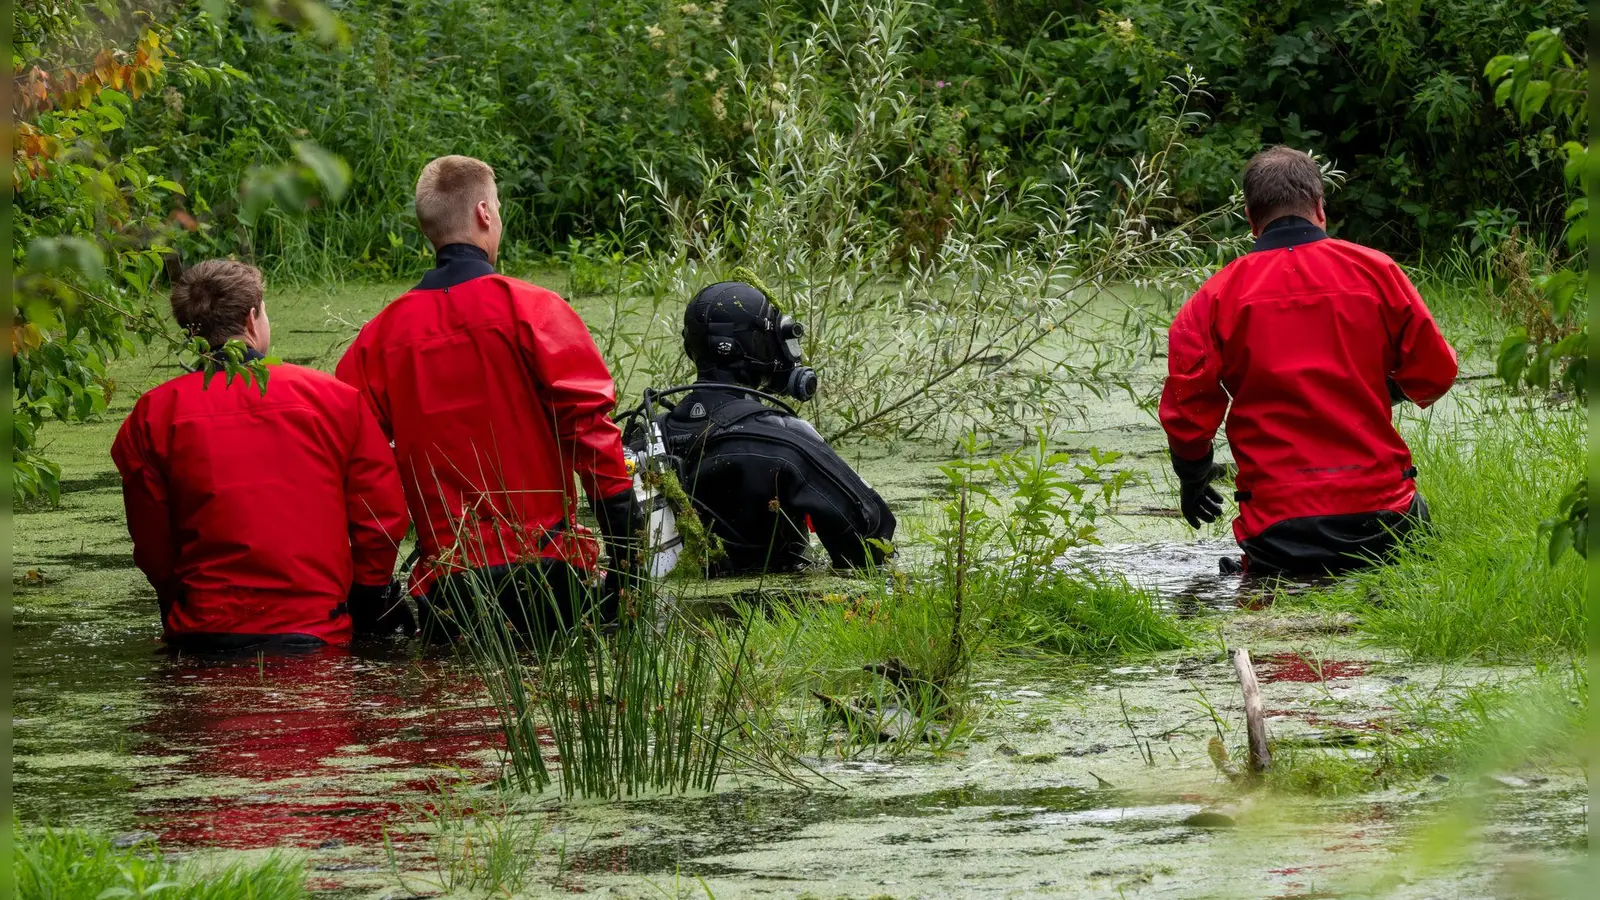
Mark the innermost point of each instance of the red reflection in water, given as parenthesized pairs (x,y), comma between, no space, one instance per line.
(297,750)
(1294,667)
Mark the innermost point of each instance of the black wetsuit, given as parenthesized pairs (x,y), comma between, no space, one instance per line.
(759,475)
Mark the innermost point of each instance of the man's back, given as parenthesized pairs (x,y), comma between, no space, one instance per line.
(244,506)
(1304,335)
(493,393)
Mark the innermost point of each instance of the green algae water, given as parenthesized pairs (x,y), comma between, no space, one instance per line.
(1079,779)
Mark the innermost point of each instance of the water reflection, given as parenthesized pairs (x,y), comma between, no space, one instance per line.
(301,750)
(1186,576)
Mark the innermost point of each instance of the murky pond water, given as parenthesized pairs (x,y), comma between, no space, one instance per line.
(1082,780)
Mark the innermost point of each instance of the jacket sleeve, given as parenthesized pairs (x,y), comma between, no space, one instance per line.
(578,391)
(1425,364)
(374,502)
(145,499)
(1193,401)
(352,370)
(845,512)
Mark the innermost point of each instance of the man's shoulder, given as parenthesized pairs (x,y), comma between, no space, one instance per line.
(307,377)
(1359,252)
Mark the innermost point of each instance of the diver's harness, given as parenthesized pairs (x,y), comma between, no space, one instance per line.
(653,461)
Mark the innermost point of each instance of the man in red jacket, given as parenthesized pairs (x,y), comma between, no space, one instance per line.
(494,394)
(1303,345)
(260,518)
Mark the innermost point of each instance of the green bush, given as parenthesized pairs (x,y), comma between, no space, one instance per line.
(573,102)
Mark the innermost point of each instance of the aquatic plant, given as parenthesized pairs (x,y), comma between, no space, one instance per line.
(1087,615)
(1452,732)
(74,864)
(889,659)
(646,704)
(477,841)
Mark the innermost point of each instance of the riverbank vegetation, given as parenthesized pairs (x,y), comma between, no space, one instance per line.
(1003,161)
(984,212)
(72,864)
(1483,583)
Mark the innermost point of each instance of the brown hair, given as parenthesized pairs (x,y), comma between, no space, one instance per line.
(447,191)
(213,299)
(1281,181)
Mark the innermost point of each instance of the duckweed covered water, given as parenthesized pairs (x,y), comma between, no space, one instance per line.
(1082,779)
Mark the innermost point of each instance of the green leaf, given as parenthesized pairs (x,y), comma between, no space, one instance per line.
(1503,92)
(1498,67)
(1513,356)
(331,171)
(1532,99)
(1560,540)
(69,253)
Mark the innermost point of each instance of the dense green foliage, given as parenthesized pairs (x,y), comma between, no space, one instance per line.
(78,865)
(574,102)
(1481,585)
(94,217)
(233,128)
(1551,343)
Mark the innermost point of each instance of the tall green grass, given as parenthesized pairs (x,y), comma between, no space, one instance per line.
(49,864)
(1481,584)
(1089,616)
(646,704)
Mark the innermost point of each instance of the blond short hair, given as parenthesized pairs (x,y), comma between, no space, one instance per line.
(214,299)
(447,192)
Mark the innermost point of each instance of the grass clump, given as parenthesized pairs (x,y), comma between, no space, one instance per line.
(1088,616)
(644,705)
(901,648)
(73,864)
(479,843)
(1481,584)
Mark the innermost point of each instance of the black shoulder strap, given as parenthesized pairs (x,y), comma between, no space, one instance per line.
(702,416)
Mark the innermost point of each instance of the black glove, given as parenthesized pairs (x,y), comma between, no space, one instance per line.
(622,525)
(1199,501)
(380,609)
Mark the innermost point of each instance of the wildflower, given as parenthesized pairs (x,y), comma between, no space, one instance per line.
(689,9)
(711,74)
(654,33)
(719,106)
(939,85)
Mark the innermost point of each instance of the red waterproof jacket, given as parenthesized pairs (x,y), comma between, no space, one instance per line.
(1303,336)
(253,514)
(494,394)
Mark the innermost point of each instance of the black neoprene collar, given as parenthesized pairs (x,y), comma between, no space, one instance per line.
(456,263)
(1288,231)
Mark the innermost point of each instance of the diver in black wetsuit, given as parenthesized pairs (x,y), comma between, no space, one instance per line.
(760,476)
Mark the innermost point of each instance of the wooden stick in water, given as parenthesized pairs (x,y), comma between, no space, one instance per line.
(1255,720)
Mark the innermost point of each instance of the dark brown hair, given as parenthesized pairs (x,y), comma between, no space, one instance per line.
(1281,181)
(213,299)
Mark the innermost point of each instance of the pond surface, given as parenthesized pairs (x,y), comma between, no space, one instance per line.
(1083,780)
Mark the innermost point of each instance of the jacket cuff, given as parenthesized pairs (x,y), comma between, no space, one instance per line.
(1193,469)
